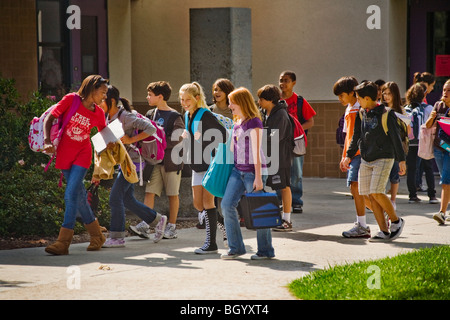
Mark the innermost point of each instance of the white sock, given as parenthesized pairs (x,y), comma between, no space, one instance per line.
(286,216)
(361,220)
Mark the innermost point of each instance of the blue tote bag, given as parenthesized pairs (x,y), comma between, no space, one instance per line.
(219,170)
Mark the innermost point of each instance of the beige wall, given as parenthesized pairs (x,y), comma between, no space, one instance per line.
(320,40)
(119,46)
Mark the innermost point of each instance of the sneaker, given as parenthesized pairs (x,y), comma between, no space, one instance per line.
(285,226)
(433,200)
(205,251)
(380,237)
(114,243)
(170,232)
(297,208)
(142,230)
(414,199)
(260,257)
(230,256)
(396,229)
(439,217)
(159,229)
(358,231)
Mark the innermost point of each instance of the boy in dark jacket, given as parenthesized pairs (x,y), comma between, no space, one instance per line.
(279,127)
(378,150)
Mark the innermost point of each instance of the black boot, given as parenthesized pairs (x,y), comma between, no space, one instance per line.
(210,245)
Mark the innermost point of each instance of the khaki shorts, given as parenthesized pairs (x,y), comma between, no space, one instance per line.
(373,176)
(160,179)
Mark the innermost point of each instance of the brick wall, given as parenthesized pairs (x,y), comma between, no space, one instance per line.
(323,154)
(18,39)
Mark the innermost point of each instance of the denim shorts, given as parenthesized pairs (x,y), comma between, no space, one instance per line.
(352,173)
(442,159)
(394,176)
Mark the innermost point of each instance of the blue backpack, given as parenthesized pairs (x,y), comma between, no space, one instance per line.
(226,122)
(417,113)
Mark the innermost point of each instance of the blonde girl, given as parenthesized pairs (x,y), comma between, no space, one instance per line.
(198,135)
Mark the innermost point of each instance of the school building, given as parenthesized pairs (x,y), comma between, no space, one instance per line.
(52,45)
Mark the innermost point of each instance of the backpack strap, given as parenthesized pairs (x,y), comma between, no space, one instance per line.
(384,118)
(73,109)
(195,122)
(300,110)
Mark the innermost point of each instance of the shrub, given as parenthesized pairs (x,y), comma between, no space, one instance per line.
(31,203)
(15,120)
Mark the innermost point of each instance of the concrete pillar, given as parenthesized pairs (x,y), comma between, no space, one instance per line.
(221,47)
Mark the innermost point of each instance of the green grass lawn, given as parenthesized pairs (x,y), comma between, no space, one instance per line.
(418,275)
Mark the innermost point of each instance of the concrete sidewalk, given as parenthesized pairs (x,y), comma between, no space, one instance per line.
(169,270)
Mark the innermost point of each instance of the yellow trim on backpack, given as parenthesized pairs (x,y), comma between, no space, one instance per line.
(384,118)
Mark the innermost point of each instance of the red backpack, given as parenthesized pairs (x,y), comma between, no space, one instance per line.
(300,142)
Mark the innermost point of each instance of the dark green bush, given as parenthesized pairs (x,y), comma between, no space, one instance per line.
(15,118)
(32,203)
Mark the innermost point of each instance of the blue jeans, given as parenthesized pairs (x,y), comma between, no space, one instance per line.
(121,197)
(75,197)
(296,180)
(442,159)
(239,183)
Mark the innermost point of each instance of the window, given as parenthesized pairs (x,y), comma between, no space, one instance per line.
(52,48)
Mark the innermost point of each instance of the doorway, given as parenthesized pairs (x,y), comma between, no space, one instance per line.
(90,43)
(429,42)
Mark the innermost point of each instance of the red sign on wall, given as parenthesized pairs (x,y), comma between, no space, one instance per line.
(442,65)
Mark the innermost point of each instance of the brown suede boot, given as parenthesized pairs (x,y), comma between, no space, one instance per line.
(61,246)
(97,237)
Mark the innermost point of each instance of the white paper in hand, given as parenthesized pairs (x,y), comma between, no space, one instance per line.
(112,133)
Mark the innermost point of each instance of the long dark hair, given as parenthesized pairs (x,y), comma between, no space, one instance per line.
(395,92)
(113,93)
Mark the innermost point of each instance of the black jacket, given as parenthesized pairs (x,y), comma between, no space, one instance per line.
(372,141)
(279,120)
(198,158)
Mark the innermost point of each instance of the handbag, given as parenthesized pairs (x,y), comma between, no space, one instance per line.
(92,197)
(260,210)
(426,142)
(216,177)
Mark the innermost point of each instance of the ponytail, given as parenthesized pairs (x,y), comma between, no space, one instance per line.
(113,93)
(426,77)
(195,90)
(126,104)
